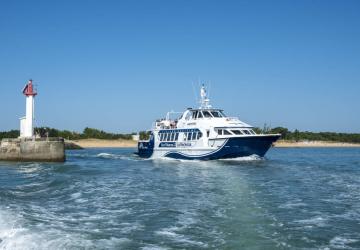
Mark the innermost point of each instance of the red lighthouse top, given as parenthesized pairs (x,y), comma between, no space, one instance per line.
(29,89)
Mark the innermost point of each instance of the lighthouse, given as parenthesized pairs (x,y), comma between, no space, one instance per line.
(27,122)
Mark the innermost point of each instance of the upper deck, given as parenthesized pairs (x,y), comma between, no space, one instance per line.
(203,117)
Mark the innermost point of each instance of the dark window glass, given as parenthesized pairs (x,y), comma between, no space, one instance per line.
(200,115)
(189,136)
(172,136)
(220,131)
(236,132)
(199,135)
(194,136)
(176,136)
(226,132)
(207,114)
(246,132)
(194,114)
(215,114)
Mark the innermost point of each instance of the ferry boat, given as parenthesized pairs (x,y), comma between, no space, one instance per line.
(205,133)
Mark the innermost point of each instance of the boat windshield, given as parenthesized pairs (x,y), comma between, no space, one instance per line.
(222,113)
(216,114)
(197,114)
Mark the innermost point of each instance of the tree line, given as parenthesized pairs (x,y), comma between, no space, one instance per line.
(297,135)
(70,135)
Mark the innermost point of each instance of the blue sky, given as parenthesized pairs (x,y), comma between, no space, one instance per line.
(118,65)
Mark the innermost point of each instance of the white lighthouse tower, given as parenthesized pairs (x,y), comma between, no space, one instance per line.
(27,122)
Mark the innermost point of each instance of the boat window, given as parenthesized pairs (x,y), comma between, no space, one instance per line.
(216,114)
(199,135)
(162,136)
(187,115)
(200,114)
(207,114)
(246,132)
(226,132)
(222,113)
(172,136)
(252,131)
(236,132)
(176,136)
(194,136)
(194,114)
(189,136)
(207,133)
(220,131)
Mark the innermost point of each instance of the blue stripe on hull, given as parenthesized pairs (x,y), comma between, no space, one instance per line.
(234,147)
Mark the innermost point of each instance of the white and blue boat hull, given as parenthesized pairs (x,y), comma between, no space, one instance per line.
(224,149)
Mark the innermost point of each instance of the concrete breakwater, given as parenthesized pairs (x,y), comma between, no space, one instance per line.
(33,149)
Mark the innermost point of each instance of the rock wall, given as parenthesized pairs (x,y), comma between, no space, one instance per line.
(40,149)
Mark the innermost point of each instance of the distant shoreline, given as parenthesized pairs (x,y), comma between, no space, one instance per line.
(314,144)
(120,143)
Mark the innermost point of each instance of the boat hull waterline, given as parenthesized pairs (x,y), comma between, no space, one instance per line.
(231,148)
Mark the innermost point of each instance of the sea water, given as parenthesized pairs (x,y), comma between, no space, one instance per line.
(110,199)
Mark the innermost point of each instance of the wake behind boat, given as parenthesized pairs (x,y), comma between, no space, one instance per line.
(205,133)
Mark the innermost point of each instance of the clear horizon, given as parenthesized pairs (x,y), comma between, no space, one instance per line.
(118,66)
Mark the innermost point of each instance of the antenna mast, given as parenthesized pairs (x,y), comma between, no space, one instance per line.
(204,100)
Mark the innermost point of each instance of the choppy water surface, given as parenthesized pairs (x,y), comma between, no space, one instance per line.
(110,199)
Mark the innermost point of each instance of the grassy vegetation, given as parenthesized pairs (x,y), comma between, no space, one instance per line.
(297,135)
(70,135)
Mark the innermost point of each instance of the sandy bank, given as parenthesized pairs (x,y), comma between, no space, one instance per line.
(97,143)
(309,144)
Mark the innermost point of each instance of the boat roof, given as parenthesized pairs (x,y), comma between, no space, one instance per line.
(205,109)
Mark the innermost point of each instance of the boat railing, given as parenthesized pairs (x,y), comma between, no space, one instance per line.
(165,124)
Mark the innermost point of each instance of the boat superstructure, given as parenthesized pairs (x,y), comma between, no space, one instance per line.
(205,133)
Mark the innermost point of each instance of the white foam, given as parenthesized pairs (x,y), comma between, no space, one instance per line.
(15,234)
(107,156)
(244,158)
(341,242)
(121,157)
(75,195)
(153,247)
(30,168)
(317,221)
(290,205)
(179,237)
